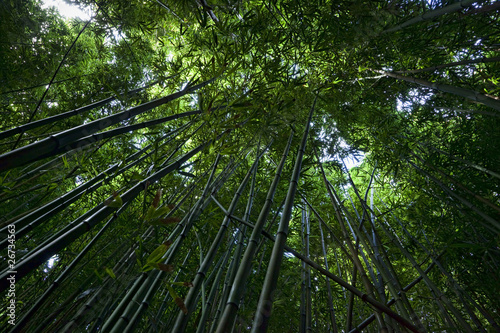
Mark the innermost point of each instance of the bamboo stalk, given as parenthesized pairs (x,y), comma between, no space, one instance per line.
(35,259)
(217,310)
(328,287)
(132,310)
(455,7)
(57,282)
(482,60)
(236,261)
(457,289)
(182,318)
(338,208)
(59,117)
(430,284)
(462,92)
(48,146)
(29,221)
(381,260)
(363,296)
(263,312)
(202,323)
(433,288)
(141,278)
(32,115)
(308,295)
(235,296)
(91,139)
(303,296)
(121,269)
(370,319)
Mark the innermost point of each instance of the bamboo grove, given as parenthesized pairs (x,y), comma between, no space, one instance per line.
(186,166)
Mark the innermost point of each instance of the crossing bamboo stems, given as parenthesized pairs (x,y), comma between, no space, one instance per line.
(92,139)
(457,6)
(211,297)
(22,322)
(183,318)
(126,309)
(370,319)
(237,260)
(236,293)
(363,296)
(461,294)
(43,254)
(303,294)
(335,202)
(441,298)
(49,146)
(263,312)
(381,260)
(59,117)
(308,289)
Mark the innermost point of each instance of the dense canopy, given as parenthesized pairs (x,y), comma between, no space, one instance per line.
(241,165)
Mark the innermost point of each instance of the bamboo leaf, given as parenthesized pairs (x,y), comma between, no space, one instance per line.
(177,300)
(160,211)
(150,213)
(166,221)
(157,254)
(156,200)
(110,272)
(162,267)
(136,176)
(116,202)
(172,292)
(180,303)
(98,275)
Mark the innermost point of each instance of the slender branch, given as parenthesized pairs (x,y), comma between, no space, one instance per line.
(455,7)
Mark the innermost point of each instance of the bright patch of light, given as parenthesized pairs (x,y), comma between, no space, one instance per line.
(294,71)
(351,161)
(113,60)
(137,141)
(51,262)
(67,10)
(79,180)
(194,101)
(113,38)
(354,159)
(414,96)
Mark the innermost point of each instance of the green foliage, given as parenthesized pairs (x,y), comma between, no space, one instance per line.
(426,189)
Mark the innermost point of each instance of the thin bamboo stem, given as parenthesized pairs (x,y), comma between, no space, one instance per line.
(263,312)
(462,92)
(183,318)
(243,273)
(47,147)
(455,7)
(35,124)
